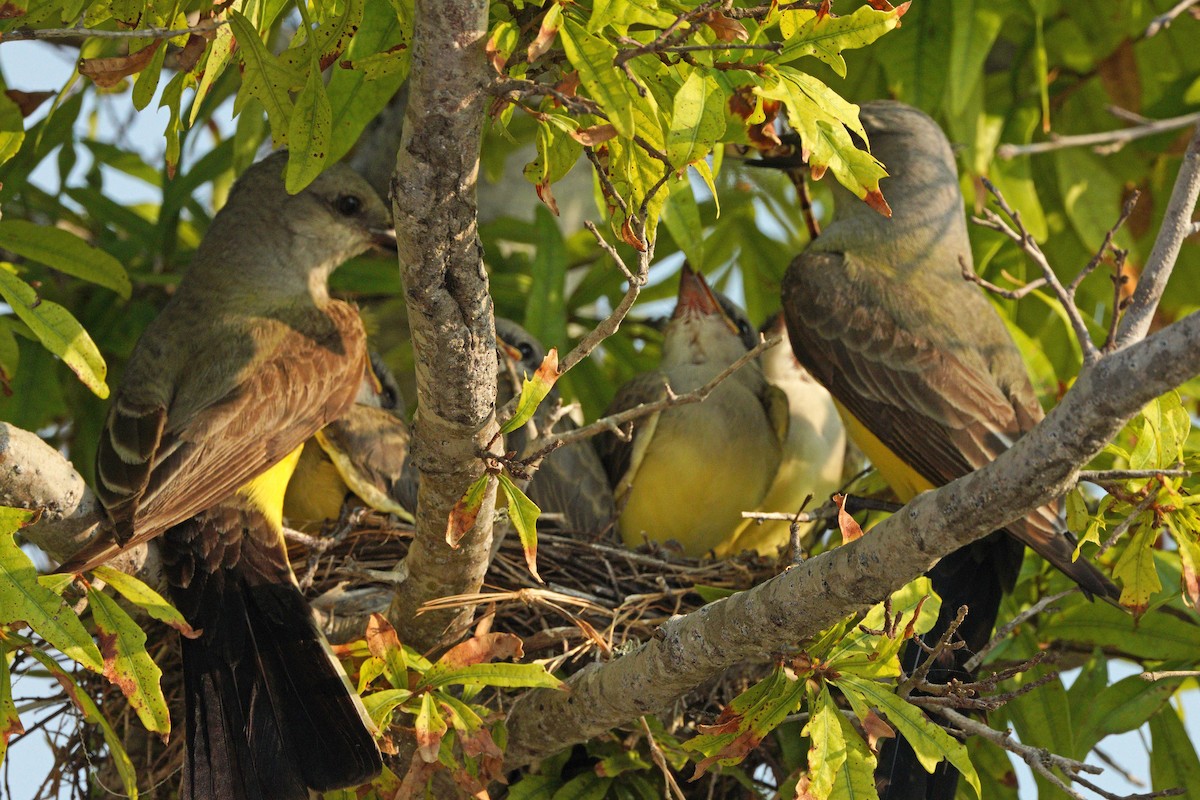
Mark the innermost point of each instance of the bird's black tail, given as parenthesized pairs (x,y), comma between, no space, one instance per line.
(269,713)
(976,576)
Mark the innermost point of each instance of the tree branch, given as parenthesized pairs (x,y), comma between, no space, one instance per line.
(850,579)
(1164,20)
(1109,141)
(1176,226)
(449,307)
(79,32)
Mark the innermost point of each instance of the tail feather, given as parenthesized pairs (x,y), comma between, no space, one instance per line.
(269,711)
(977,576)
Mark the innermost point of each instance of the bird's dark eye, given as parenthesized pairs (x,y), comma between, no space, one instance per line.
(348,204)
(743,328)
(526,350)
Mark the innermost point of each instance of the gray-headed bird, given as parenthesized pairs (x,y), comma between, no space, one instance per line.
(929,382)
(690,470)
(248,359)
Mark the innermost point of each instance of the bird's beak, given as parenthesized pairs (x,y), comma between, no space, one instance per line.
(504,347)
(384,238)
(694,295)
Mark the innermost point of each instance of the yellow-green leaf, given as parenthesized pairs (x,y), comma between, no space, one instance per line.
(533,391)
(1135,569)
(523,514)
(144,598)
(507,676)
(826,36)
(127,664)
(595,60)
(65,252)
(429,728)
(91,713)
(827,752)
(55,328)
(10,722)
(380,705)
(930,743)
(698,120)
(264,78)
(214,67)
(466,510)
(23,599)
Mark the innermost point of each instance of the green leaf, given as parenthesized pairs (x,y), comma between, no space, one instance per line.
(308,134)
(12,128)
(10,354)
(127,664)
(143,597)
(1124,706)
(218,56)
(1157,637)
(56,329)
(24,600)
(1173,761)
(523,514)
(380,57)
(1091,194)
(547,318)
(147,80)
(855,779)
(930,743)
(380,705)
(264,78)
(509,676)
(595,60)
(65,252)
(697,121)
(91,713)
(976,25)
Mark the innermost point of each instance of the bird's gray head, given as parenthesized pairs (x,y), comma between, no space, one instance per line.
(297,240)
(921,188)
(519,346)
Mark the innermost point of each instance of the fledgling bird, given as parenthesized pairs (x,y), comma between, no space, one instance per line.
(691,470)
(248,359)
(811,463)
(928,380)
(570,481)
(364,454)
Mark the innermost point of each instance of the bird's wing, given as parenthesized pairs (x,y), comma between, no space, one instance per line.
(944,407)
(571,481)
(155,471)
(369,447)
(619,457)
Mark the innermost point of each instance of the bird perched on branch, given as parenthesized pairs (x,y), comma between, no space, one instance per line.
(813,452)
(363,454)
(928,380)
(690,470)
(248,359)
(570,481)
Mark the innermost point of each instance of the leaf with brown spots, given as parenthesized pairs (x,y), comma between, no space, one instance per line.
(483,648)
(127,664)
(27,102)
(466,510)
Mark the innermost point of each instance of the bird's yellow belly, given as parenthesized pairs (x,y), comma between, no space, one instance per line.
(904,480)
(693,489)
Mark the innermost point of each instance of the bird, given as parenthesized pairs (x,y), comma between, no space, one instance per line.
(927,379)
(363,454)
(571,481)
(813,453)
(248,359)
(691,470)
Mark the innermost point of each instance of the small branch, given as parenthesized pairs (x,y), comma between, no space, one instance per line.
(933,654)
(26,33)
(1177,224)
(1102,476)
(1170,673)
(1019,234)
(1104,143)
(1127,523)
(1164,20)
(1007,294)
(1007,628)
(615,421)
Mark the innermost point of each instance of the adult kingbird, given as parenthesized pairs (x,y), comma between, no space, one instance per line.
(570,481)
(927,377)
(362,454)
(691,470)
(811,463)
(248,359)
